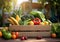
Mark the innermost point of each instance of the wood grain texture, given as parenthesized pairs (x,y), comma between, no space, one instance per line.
(32,31)
(34,34)
(29,27)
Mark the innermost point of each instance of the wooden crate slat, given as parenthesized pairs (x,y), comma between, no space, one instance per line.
(29,27)
(32,30)
(34,34)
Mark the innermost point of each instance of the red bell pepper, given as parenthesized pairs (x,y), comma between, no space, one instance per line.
(37,21)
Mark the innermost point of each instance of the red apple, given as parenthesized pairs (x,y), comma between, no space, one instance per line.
(39,37)
(22,38)
(25,38)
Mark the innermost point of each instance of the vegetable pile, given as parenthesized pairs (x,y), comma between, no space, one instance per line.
(33,18)
(56,29)
(6,34)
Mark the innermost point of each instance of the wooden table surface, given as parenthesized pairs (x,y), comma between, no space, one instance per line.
(31,40)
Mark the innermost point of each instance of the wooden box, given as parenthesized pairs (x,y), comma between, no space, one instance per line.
(32,31)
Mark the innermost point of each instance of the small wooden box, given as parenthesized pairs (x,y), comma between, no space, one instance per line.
(32,30)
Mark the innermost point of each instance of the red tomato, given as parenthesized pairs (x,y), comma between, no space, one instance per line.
(53,35)
(17,34)
(13,36)
(0,34)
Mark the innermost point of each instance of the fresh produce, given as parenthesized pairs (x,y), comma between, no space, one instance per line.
(42,23)
(21,22)
(38,14)
(7,35)
(17,34)
(13,36)
(3,30)
(53,35)
(56,29)
(34,18)
(13,21)
(46,23)
(26,37)
(27,17)
(31,23)
(25,22)
(17,12)
(23,19)
(37,21)
(0,34)
(18,18)
(50,23)
(23,38)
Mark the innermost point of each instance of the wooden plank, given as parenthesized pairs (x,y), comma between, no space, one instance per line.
(34,34)
(32,31)
(29,27)
(36,5)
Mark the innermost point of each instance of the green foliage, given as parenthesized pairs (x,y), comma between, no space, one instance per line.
(25,22)
(17,12)
(55,28)
(38,14)
(6,5)
(54,2)
(26,17)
